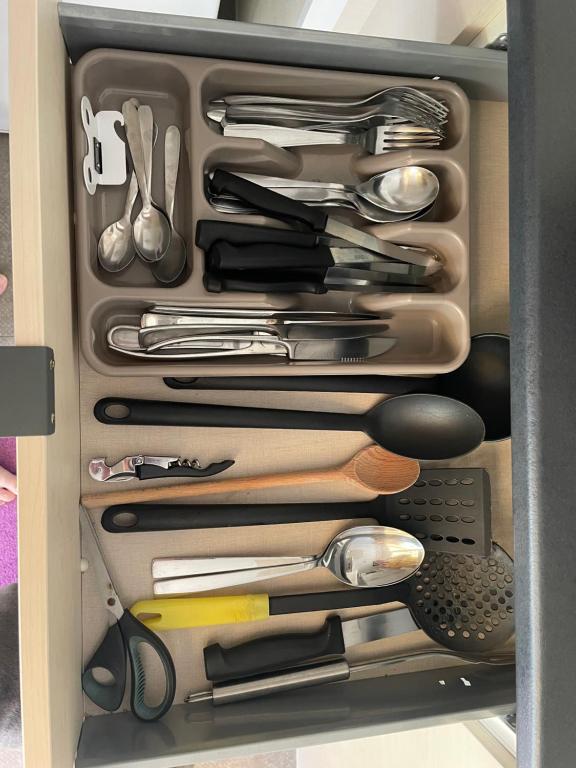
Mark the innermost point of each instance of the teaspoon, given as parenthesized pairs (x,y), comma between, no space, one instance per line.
(151,229)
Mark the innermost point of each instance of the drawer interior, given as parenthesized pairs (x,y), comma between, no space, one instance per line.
(129,555)
(54,639)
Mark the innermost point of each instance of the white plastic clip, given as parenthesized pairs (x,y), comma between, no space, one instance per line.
(105,160)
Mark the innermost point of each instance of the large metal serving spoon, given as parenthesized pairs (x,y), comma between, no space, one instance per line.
(151,229)
(171,266)
(364,556)
(418,426)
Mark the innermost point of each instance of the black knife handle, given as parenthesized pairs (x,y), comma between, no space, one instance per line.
(269,654)
(224,256)
(267,201)
(219,284)
(209,232)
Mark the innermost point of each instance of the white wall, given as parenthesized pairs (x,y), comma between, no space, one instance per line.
(203,8)
(440,21)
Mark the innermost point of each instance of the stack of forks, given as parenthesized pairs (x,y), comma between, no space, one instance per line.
(395,118)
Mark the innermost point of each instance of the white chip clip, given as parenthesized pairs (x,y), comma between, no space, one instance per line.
(105,160)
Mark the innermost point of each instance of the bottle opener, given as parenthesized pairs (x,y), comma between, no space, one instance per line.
(153,468)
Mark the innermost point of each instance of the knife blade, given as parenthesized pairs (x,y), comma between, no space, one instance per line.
(276,652)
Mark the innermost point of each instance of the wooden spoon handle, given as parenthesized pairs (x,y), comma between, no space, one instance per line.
(94,500)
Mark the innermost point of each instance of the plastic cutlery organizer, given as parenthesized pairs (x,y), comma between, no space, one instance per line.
(432,329)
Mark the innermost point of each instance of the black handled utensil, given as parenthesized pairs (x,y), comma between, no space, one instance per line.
(125,637)
(447,509)
(267,654)
(482,382)
(415,426)
(316,219)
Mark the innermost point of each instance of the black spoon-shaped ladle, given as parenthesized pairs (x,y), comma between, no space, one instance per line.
(482,382)
(418,426)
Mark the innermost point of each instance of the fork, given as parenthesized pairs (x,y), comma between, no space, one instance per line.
(398,92)
(375,140)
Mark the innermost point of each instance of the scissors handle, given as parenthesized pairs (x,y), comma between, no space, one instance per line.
(111,657)
(135,635)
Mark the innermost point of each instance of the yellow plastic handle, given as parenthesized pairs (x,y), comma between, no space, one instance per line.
(183,612)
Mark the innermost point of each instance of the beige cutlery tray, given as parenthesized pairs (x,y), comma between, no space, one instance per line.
(432,329)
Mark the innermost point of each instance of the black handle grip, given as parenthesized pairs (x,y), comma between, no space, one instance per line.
(127,411)
(224,256)
(219,284)
(111,656)
(136,635)
(336,601)
(268,201)
(269,654)
(136,518)
(388,385)
(209,232)
(152,472)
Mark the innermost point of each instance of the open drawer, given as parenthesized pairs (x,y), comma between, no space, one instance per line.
(52,469)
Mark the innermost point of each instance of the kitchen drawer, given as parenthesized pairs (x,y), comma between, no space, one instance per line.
(52,469)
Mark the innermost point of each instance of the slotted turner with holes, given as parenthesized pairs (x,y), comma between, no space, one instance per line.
(447,509)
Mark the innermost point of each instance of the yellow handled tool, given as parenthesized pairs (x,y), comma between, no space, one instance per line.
(183,612)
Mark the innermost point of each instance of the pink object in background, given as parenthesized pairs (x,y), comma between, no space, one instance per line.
(8,519)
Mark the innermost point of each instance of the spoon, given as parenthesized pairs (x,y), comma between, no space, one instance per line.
(371,469)
(151,229)
(364,556)
(482,382)
(170,267)
(115,246)
(419,426)
(362,207)
(400,191)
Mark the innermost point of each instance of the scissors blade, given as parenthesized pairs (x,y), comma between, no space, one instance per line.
(98,566)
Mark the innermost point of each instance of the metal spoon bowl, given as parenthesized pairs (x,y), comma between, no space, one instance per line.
(401,190)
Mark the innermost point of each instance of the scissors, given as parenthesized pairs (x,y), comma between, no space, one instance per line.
(124,638)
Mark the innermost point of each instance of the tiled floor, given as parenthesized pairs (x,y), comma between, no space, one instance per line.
(6,306)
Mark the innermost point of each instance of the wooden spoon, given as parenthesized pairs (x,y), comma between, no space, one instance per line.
(372,468)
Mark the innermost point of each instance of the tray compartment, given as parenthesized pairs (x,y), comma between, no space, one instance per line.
(165,88)
(433,328)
